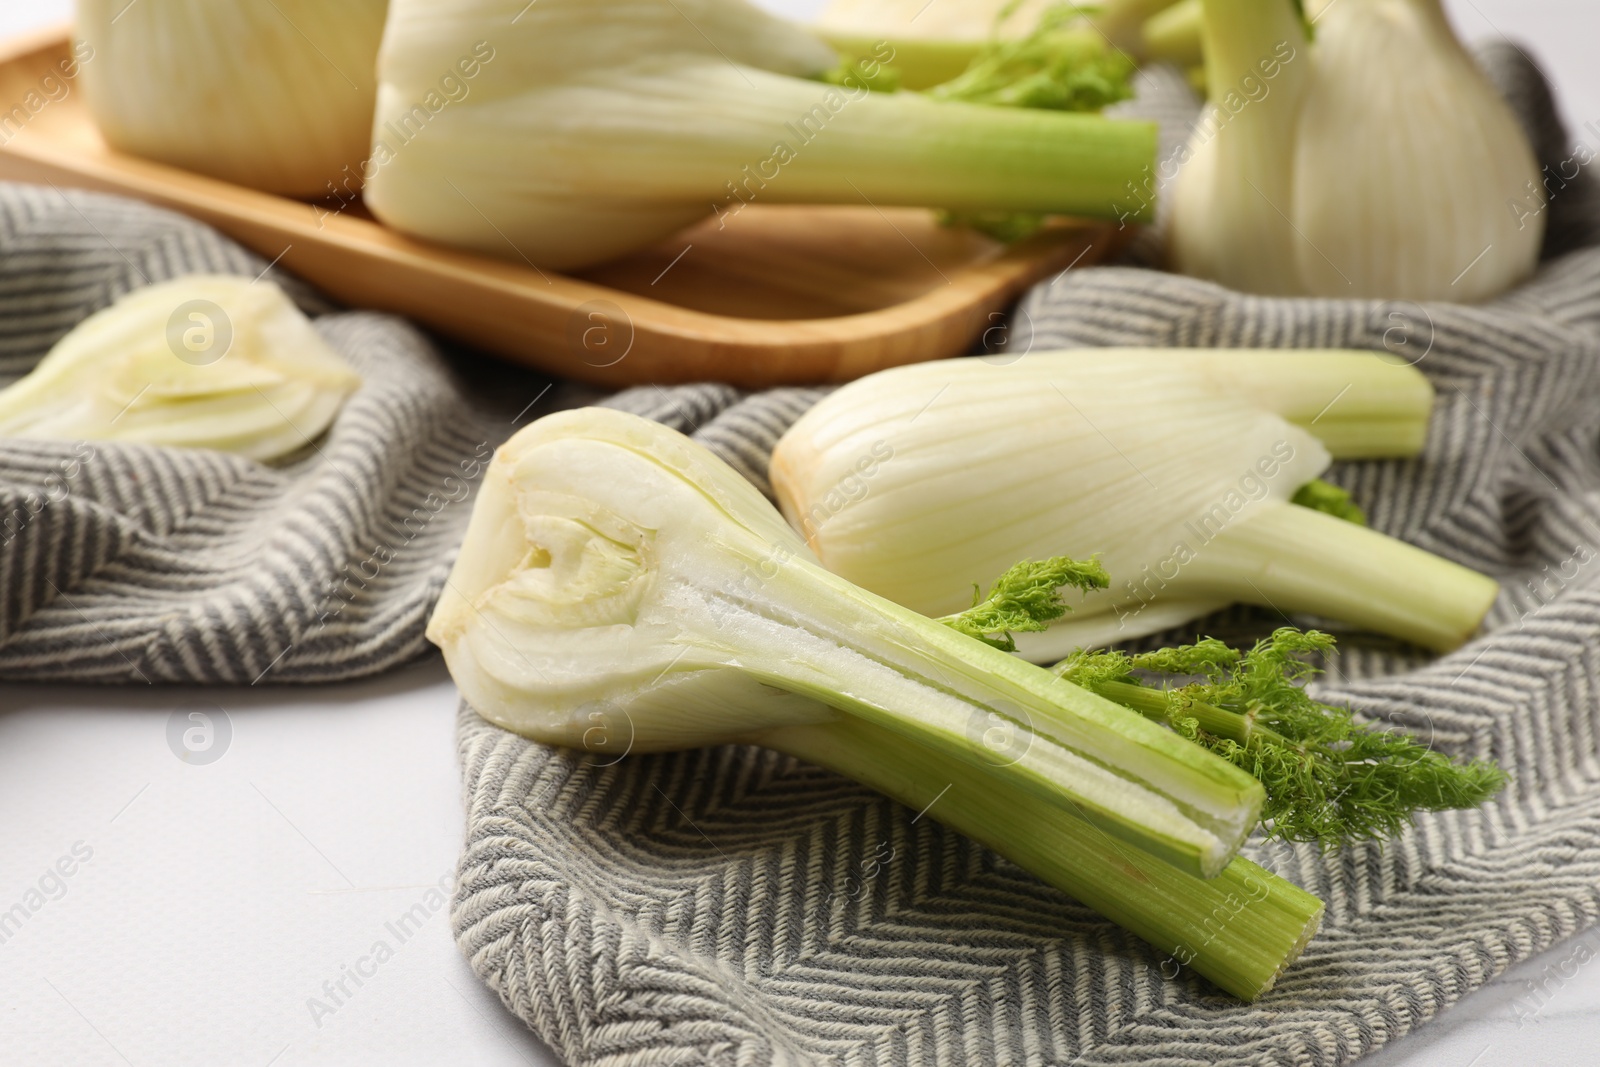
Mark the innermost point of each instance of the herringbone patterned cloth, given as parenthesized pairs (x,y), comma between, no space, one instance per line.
(737,907)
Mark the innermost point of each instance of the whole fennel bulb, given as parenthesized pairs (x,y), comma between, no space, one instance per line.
(1174,467)
(276,95)
(1372,161)
(599,127)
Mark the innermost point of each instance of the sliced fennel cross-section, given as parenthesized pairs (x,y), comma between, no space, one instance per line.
(202,361)
(619,588)
(1175,467)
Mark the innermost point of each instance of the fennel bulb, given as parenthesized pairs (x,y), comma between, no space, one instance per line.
(1174,467)
(276,95)
(621,589)
(605,125)
(203,361)
(1373,161)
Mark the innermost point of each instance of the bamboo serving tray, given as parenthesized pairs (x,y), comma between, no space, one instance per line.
(771,295)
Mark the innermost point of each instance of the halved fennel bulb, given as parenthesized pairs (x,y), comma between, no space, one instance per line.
(621,589)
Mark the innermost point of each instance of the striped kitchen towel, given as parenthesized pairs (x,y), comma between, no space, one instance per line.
(712,907)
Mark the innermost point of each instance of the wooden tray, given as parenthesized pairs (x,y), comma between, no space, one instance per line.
(779,295)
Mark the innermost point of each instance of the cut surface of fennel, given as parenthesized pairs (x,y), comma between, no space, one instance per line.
(620,589)
(602,126)
(202,361)
(1174,467)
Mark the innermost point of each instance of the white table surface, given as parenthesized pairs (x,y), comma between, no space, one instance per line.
(219,906)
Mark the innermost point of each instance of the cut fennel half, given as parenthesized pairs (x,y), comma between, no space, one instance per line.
(621,589)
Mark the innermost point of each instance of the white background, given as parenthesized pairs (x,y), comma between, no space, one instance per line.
(219,899)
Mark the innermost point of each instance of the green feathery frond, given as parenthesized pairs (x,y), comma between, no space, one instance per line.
(1026,599)
(1061,65)
(1329,779)
(1058,66)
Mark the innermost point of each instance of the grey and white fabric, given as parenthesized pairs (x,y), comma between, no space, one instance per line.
(122,563)
(737,907)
